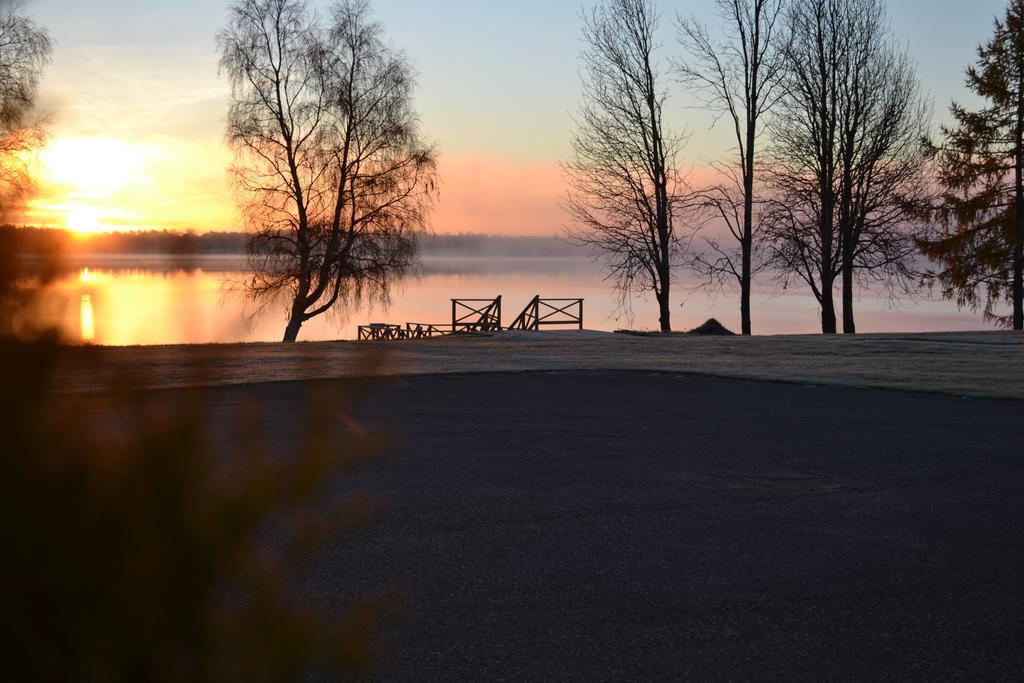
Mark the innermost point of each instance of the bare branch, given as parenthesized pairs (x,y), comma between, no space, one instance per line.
(332,173)
(626,191)
(740,73)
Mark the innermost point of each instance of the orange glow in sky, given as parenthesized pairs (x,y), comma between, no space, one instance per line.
(100,184)
(138,106)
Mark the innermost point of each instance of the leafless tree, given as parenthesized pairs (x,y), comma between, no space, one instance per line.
(626,192)
(738,74)
(333,176)
(849,167)
(25,50)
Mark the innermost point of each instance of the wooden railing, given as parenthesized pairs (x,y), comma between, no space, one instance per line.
(549,313)
(383,332)
(476,315)
(426,330)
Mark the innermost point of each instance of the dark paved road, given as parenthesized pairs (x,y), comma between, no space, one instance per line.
(632,526)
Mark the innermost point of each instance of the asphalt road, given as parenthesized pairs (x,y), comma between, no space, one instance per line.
(614,525)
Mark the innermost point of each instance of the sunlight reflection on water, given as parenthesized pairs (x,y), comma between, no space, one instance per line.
(124,301)
(88,326)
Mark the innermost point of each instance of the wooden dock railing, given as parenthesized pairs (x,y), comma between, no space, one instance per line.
(381,331)
(476,315)
(471,316)
(384,332)
(549,313)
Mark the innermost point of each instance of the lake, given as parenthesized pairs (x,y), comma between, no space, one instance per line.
(132,300)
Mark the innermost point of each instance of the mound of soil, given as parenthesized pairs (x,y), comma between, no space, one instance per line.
(713,328)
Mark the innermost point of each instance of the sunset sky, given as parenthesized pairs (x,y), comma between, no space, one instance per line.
(137,106)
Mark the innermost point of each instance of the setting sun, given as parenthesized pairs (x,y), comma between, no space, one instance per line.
(83,219)
(87,181)
(92,184)
(94,167)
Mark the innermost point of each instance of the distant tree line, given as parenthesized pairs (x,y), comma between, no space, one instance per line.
(834,181)
(34,240)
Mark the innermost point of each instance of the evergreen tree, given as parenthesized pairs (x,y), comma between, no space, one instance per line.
(980,239)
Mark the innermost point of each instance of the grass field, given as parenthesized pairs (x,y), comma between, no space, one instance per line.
(978,364)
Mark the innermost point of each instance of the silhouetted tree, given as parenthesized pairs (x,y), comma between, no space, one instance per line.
(626,193)
(980,244)
(849,166)
(334,175)
(25,50)
(740,74)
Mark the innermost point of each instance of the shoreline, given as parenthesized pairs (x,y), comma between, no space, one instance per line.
(971,364)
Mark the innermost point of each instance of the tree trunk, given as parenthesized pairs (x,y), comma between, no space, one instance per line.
(747,244)
(746,247)
(826,227)
(849,326)
(665,317)
(1018,281)
(828,307)
(828,315)
(1018,242)
(291,332)
(846,232)
(745,293)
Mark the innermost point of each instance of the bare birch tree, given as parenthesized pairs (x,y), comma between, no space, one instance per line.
(25,50)
(849,167)
(332,172)
(738,75)
(626,194)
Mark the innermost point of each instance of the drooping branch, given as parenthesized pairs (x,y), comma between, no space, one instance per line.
(332,173)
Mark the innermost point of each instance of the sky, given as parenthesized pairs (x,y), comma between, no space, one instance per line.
(137,108)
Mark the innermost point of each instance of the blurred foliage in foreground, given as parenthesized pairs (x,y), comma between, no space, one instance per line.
(138,547)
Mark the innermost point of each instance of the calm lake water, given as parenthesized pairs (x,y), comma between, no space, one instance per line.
(123,301)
